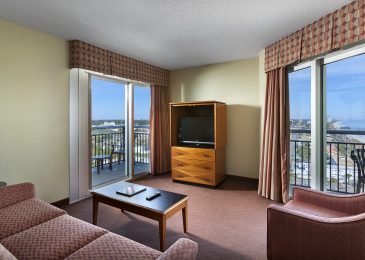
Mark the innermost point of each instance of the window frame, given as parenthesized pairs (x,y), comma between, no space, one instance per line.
(318,109)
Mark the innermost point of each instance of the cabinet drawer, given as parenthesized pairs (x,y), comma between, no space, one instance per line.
(193,153)
(206,167)
(180,175)
(193,170)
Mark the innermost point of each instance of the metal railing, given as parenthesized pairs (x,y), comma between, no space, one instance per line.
(102,144)
(341,171)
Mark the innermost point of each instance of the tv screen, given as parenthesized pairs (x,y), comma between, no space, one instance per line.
(197,131)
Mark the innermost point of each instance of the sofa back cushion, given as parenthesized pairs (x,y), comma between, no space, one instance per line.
(5,254)
(13,194)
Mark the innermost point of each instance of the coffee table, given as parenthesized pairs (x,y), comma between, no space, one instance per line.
(160,208)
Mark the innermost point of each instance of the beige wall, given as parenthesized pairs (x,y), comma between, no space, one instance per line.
(34,105)
(237,84)
(262,86)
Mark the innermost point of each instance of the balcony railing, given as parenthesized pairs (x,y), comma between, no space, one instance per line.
(341,171)
(102,144)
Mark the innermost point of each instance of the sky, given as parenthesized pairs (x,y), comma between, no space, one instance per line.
(345,90)
(108,100)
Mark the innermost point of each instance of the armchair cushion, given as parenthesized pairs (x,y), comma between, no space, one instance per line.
(314,209)
(13,194)
(24,215)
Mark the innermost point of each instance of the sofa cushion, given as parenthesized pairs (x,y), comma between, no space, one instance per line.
(54,239)
(5,254)
(314,210)
(113,246)
(24,215)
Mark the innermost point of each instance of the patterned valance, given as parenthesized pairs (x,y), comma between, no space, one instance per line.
(333,31)
(86,56)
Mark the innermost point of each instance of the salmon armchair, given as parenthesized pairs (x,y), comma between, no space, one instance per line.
(317,225)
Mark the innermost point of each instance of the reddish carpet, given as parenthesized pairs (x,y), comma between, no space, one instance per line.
(228,222)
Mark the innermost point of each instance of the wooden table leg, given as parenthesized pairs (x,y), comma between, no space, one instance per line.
(95,210)
(162,228)
(185,217)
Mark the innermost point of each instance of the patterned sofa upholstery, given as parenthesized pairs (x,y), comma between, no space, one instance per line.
(33,229)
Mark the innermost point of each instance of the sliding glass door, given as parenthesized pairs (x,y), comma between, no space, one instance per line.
(142,107)
(108,132)
(119,139)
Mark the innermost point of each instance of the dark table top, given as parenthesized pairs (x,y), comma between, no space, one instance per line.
(100,157)
(160,204)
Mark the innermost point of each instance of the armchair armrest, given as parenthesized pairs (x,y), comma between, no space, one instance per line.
(182,249)
(5,254)
(297,235)
(351,204)
(13,194)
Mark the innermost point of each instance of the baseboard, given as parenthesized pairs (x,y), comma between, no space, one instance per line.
(253,180)
(61,203)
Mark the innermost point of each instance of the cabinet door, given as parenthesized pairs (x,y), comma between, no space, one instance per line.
(220,126)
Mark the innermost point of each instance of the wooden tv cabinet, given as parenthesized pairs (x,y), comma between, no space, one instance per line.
(194,164)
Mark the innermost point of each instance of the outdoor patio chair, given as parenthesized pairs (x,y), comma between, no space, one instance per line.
(119,150)
(357,155)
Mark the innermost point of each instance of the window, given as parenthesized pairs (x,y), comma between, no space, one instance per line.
(327,122)
(300,126)
(345,121)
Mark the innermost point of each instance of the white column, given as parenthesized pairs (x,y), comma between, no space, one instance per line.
(316,124)
(79,135)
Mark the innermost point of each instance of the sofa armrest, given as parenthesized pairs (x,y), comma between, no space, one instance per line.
(5,254)
(351,204)
(182,249)
(297,235)
(13,194)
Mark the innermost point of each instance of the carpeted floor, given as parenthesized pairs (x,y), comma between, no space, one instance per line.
(228,222)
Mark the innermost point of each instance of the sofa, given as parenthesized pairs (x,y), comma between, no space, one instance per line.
(317,225)
(33,229)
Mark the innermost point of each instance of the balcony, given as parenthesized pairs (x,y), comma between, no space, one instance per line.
(112,168)
(341,171)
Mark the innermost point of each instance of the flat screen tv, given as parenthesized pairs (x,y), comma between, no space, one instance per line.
(197,131)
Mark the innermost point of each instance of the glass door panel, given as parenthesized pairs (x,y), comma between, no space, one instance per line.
(142,107)
(300,127)
(345,124)
(108,134)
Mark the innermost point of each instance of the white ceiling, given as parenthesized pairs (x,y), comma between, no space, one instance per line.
(171,34)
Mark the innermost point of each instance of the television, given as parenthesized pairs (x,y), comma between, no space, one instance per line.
(197,131)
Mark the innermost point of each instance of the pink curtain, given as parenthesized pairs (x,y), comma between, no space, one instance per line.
(160,134)
(274,165)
